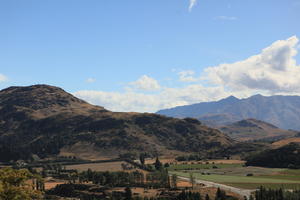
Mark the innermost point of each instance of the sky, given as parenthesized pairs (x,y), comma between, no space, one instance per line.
(144,56)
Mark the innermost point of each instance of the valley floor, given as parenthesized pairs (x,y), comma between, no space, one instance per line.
(240,177)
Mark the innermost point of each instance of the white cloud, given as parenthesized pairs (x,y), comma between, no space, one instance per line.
(274,70)
(146,83)
(139,102)
(228,18)
(192,4)
(187,76)
(3,78)
(90,80)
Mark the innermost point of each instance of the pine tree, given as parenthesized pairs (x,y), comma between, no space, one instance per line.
(142,158)
(128,193)
(192,180)
(174,180)
(220,195)
(207,197)
(158,165)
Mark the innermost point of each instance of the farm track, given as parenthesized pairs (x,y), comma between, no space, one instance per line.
(239,191)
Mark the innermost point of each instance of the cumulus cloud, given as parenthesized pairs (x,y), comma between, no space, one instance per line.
(90,80)
(192,4)
(187,76)
(3,78)
(228,18)
(139,102)
(146,83)
(273,70)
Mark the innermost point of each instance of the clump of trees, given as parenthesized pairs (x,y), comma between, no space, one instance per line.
(284,157)
(156,179)
(192,157)
(276,194)
(15,185)
(189,196)
(220,195)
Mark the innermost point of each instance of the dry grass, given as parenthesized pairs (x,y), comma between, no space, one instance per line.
(227,161)
(285,142)
(162,160)
(211,191)
(139,191)
(109,166)
(52,184)
(183,184)
(88,151)
(145,192)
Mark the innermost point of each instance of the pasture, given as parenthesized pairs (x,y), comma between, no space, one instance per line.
(237,175)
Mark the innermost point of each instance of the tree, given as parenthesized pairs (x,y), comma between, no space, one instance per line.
(142,158)
(157,164)
(192,180)
(128,193)
(174,180)
(220,195)
(207,197)
(73,177)
(14,185)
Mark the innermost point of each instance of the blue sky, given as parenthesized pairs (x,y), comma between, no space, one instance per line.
(138,55)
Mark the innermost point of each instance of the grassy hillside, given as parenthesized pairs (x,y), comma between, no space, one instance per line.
(43,120)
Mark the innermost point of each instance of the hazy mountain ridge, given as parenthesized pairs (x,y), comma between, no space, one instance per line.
(253,129)
(282,111)
(43,119)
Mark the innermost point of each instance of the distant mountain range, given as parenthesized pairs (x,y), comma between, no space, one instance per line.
(43,121)
(282,111)
(253,129)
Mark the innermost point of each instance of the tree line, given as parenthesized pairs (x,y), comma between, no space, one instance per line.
(276,194)
(284,157)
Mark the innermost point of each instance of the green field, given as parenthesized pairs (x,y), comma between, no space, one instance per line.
(293,186)
(202,166)
(236,175)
